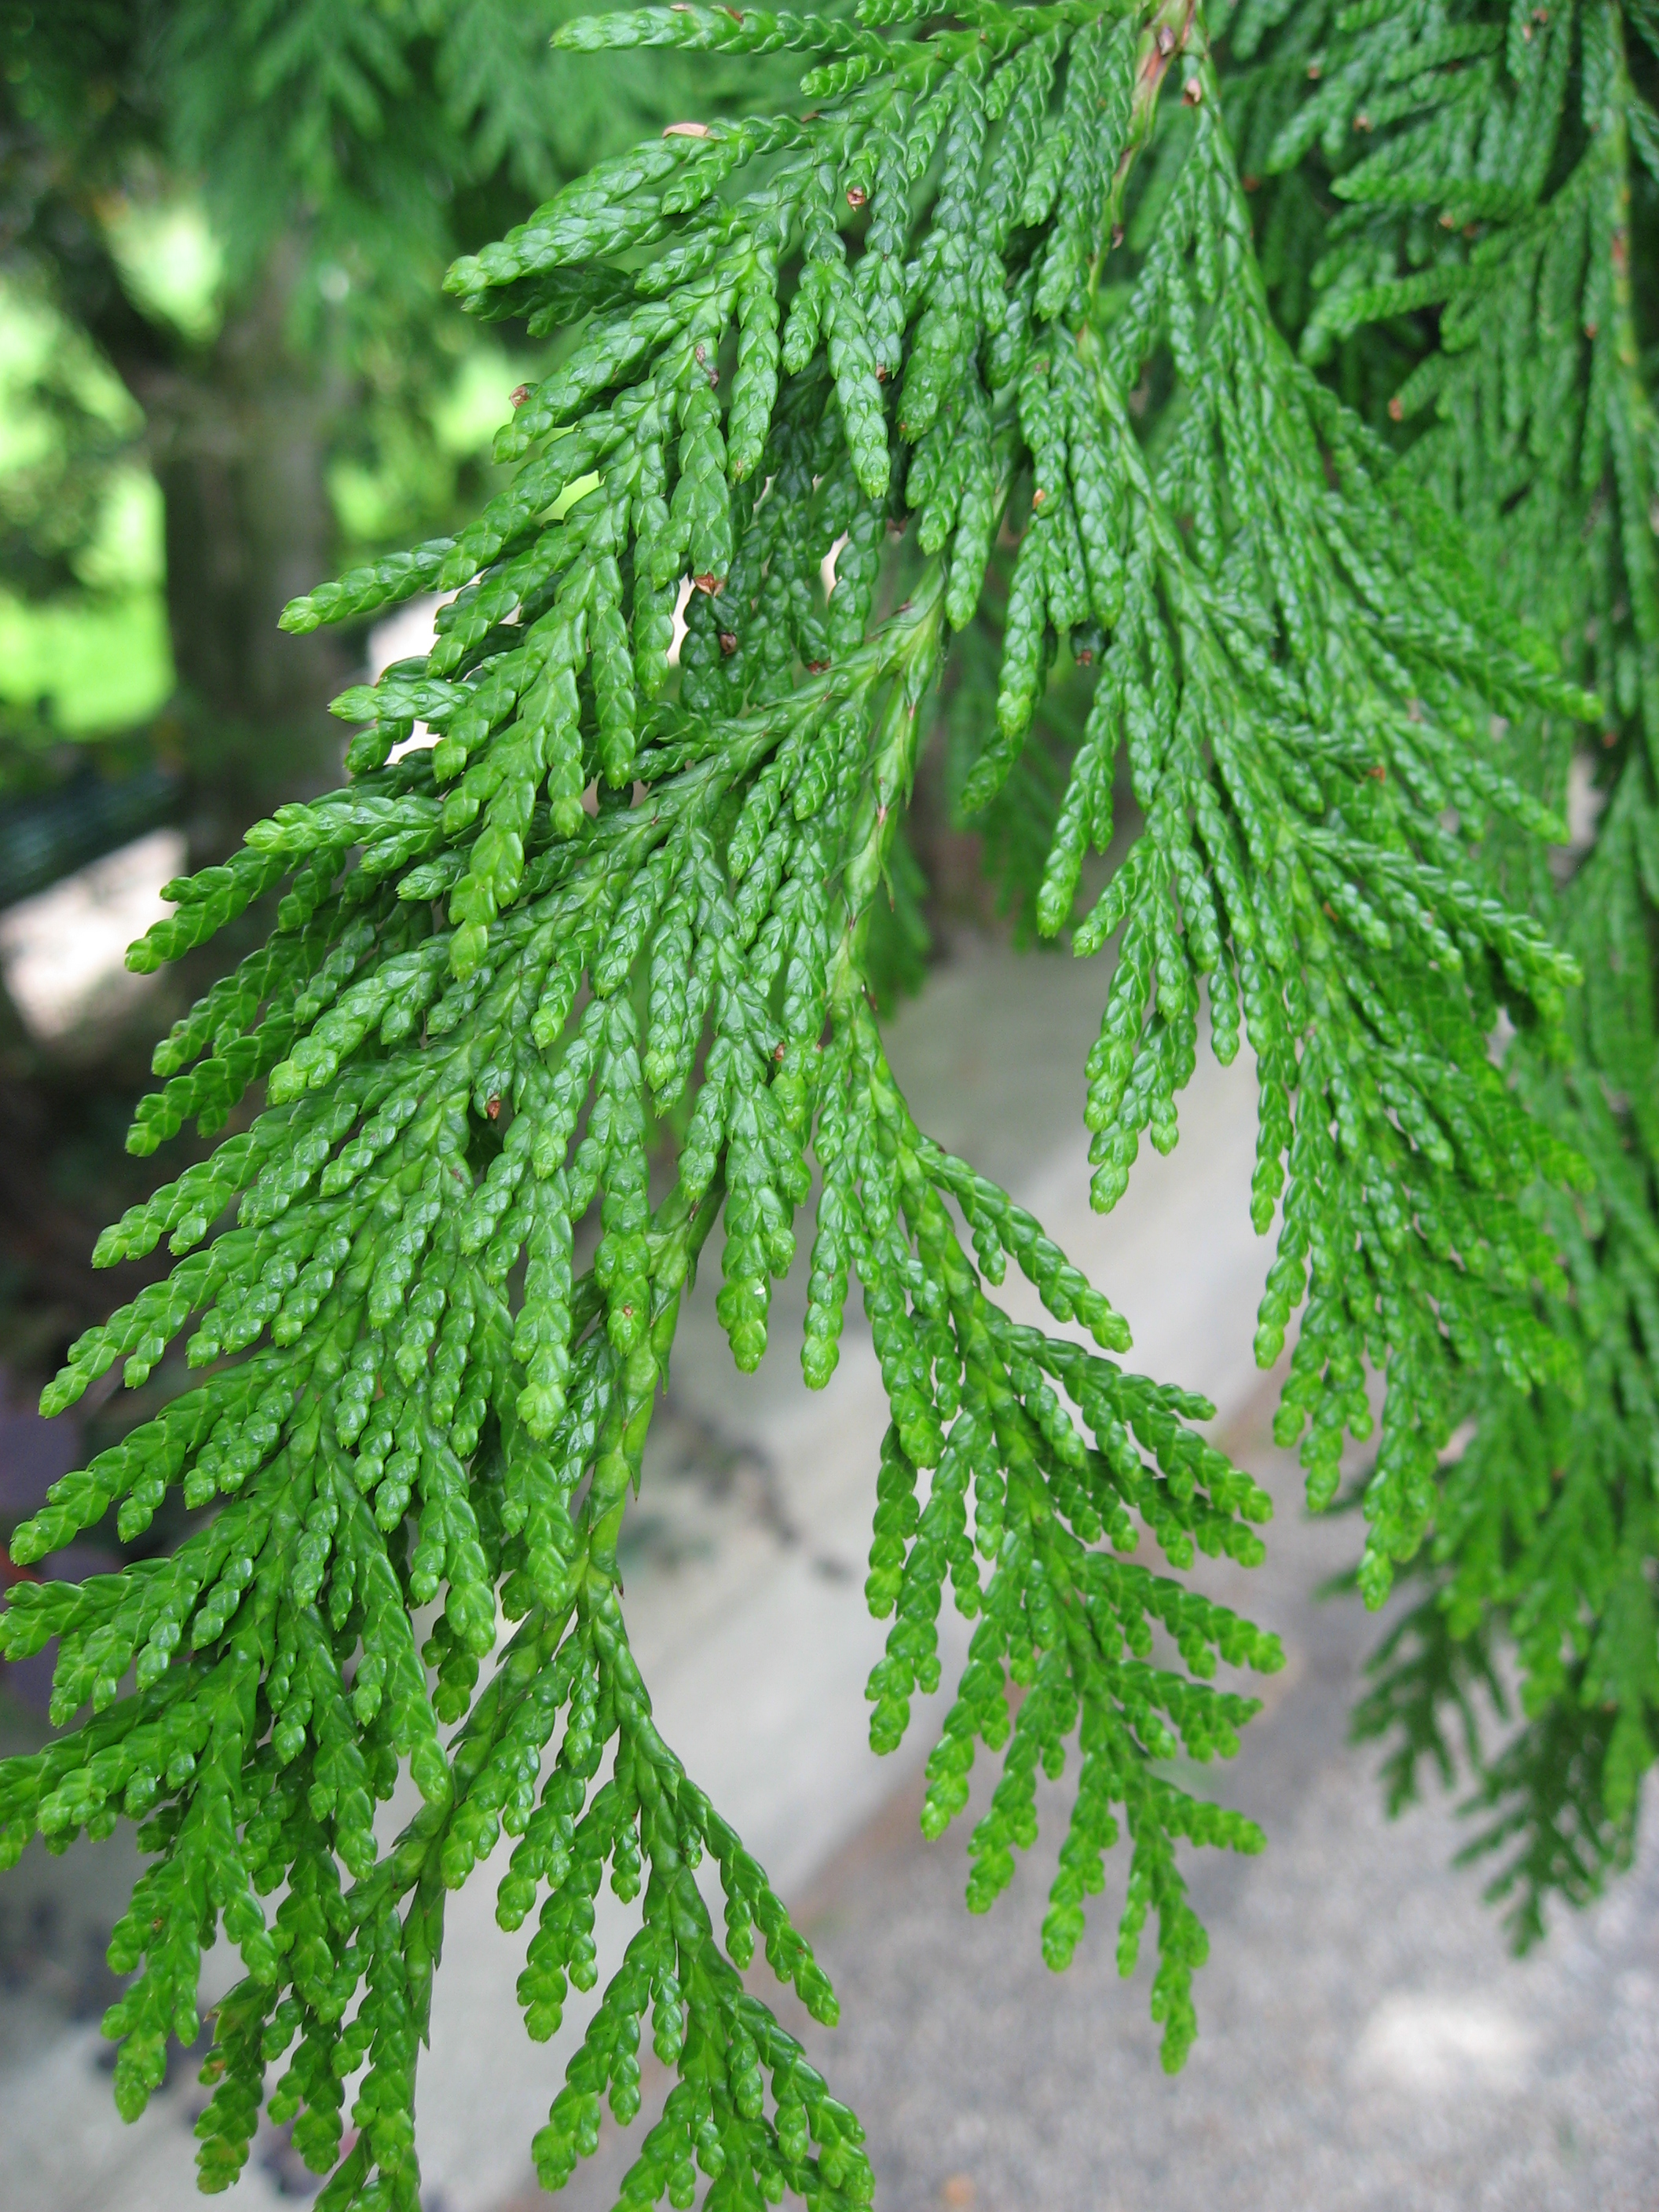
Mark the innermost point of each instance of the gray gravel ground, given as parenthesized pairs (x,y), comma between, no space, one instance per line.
(1367,2042)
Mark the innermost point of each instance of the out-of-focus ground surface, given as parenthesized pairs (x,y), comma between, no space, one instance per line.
(1366,2040)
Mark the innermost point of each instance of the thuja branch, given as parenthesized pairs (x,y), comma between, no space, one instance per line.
(1496,186)
(616,885)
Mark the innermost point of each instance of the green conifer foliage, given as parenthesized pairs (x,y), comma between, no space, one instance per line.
(1490,160)
(934,302)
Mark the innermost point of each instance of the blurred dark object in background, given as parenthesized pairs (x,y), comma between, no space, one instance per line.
(48,834)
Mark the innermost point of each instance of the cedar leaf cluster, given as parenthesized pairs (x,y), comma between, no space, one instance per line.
(983,368)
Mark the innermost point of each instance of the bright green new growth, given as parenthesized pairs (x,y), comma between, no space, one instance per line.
(936,300)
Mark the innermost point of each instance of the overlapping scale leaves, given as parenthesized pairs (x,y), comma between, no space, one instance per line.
(629,887)
(1513,204)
